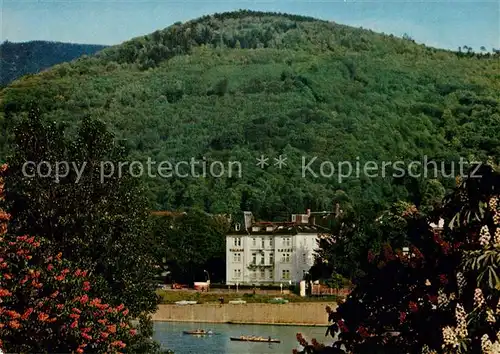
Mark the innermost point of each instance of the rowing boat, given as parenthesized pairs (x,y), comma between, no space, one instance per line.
(199,332)
(255,339)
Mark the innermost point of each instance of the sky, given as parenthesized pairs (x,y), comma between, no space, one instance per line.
(439,23)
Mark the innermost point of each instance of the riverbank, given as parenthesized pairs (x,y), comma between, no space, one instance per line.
(172,296)
(291,314)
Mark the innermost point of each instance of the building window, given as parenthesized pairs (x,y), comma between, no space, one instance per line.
(285,258)
(304,257)
(286,241)
(237,273)
(254,242)
(285,274)
(263,274)
(270,242)
(271,258)
(236,257)
(262,259)
(254,258)
(263,246)
(237,241)
(253,275)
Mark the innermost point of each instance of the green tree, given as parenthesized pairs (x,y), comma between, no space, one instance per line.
(191,244)
(100,224)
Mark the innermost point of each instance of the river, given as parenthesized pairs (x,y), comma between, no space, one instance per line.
(170,335)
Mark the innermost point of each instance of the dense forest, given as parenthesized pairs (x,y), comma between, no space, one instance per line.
(235,86)
(19,59)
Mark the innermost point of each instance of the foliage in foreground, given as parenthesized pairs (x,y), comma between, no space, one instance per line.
(44,301)
(441,297)
(100,227)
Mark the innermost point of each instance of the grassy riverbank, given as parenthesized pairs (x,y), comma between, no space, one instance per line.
(170,297)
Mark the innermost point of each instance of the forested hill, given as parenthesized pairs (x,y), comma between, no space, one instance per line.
(18,59)
(238,85)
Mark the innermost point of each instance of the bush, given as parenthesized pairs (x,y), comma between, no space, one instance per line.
(45,305)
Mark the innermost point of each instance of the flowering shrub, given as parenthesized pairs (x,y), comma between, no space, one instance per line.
(479,327)
(442,296)
(44,302)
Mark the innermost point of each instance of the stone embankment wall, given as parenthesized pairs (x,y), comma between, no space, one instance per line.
(295,313)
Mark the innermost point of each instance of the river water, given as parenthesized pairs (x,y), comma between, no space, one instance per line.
(170,335)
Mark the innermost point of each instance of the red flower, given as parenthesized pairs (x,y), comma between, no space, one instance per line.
(125,312)
(86,336)
(133,332)
(5,292)
(371,256)
(50,267)
(104,335)
(79,350)
(74,316)
(118,343)
(84,299)
(443,279)
(7,276)
(60,306)
(84,273)
(12,314)
(363,332)
(112,328)
(413,306)
(14,324)
(27,313)
(342,326)
(433,299)
(120,307)
(74,309)
(42,316)
(86,330)
(74,324)
(24,280)
(86,286)
(402,316)
(54,294)
(78,272)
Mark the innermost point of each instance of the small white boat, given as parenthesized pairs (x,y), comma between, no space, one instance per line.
(185,302)
(237,302)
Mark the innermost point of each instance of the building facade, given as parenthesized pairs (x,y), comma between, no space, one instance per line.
(270,253)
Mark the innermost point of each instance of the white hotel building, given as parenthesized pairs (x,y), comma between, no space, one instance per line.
(270,253)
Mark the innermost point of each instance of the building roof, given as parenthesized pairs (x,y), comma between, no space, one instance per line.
(277,228)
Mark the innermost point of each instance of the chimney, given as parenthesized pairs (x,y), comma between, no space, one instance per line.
(248,219)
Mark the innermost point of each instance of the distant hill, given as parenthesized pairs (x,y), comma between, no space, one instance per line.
(18,59)
(235,86)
